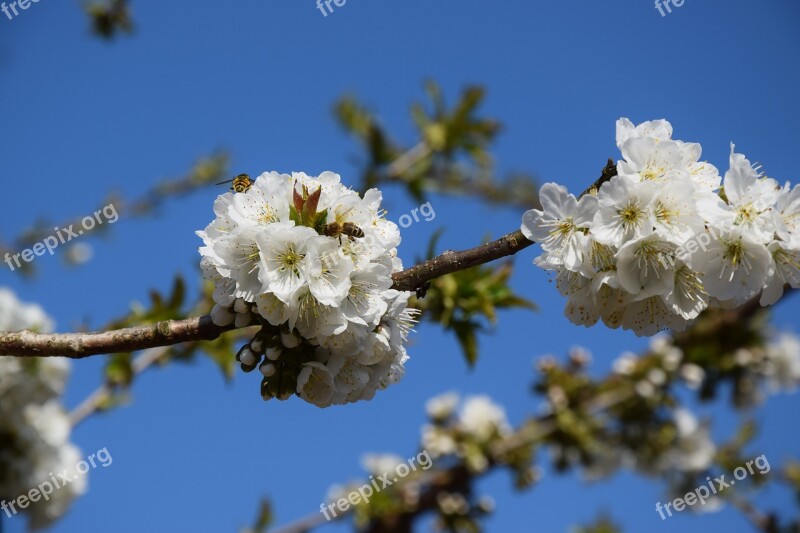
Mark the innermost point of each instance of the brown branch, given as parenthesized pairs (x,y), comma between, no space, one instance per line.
(449,262)
(167,333)
(80,345)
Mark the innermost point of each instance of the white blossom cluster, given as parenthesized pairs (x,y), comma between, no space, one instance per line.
(34,428)
(776,364)
(311,261)
(477,423)
(667,236)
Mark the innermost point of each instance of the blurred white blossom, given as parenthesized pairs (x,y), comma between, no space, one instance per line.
(34,427)
(782,366)
(694,449)
(482,418)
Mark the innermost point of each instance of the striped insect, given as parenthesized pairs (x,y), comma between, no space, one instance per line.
(337,229)
(240,183)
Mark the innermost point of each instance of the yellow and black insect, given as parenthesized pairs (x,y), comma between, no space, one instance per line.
(337,229)
(241,183)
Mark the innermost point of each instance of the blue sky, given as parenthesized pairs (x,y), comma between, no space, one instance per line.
(80,117)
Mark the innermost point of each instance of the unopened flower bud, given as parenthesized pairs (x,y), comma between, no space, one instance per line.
(267,369)
(221,316)
(247,357)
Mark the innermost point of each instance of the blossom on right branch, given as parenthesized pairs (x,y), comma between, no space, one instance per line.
(667,236)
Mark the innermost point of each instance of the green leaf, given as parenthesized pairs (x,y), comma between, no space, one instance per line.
(119,371)
(466,335)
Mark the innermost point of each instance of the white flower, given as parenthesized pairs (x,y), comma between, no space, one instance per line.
(438,441)
(311,317)
(47,422)
(649,316)
(625,364)
(649,160)
(350,207)
(785,269)
(694,450)
(325,299)
(688,297)
(658,130)
(675,211)
(327,271)
(350,375)
(349,342)
(559,225)
(581,308)
(224,287)
(34,425)
(16,315)
(442,406)
(733,266)
(44,512)
(642,269)
(650,154)
(751,201)
(783,362)
(237,256)
(786,215)
(272,308)
(482,418)
(283,258)
(328,182)
(664,243)
(624,211)
(693,374)
(264,203)
(379,465)
(315,384)
(365,303)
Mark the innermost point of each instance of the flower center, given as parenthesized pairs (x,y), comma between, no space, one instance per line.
(291,259)
(734,252)
(664,214)
(746,214)
(630,215)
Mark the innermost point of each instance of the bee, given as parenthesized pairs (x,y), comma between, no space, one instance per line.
(241,183)
(337,229)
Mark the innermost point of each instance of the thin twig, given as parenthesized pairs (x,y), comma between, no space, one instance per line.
(93,402)
(529,434)
(409,158)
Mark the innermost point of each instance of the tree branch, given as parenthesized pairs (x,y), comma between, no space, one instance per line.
(80,345)
(449,262)
(93,402)
(167,333)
